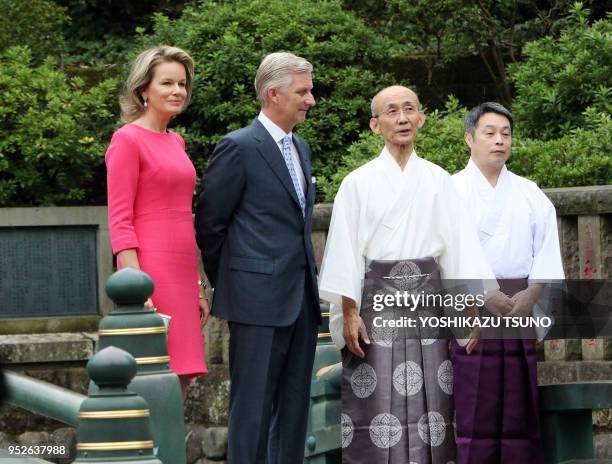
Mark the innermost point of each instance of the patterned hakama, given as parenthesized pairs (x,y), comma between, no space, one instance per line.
(397,402)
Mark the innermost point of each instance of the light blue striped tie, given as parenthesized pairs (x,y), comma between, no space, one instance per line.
(292,173)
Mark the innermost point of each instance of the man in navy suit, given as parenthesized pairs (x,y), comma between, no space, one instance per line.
(253,226)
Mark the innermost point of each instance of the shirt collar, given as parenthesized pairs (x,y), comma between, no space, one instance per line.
(389,161)
(484,183)
(276,132)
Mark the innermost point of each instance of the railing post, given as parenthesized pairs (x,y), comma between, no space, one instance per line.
(114,422)
(323,437)
(141,332)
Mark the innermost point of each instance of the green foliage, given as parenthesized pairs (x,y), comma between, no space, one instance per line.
(103,31)
(365,148)
(581,157)
(228,41)
(37,24)
(54,133)
(440,36)
(441,138)
(435,32)
(109,48)
(56,125)
(560,78)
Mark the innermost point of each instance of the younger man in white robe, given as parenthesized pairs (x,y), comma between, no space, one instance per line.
(496,384)
(401,212)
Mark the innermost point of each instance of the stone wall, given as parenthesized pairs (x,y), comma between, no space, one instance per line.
(66,218)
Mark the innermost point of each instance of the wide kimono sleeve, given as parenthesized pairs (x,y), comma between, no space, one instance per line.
(463,257)
(122,167)
(343,263)
(547,263)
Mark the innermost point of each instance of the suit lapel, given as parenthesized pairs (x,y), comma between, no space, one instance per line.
(270,152)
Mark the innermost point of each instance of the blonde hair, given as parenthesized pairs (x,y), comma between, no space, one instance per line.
(141,75)
(276,70)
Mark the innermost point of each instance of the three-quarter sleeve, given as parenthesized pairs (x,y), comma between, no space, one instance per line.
(123,167)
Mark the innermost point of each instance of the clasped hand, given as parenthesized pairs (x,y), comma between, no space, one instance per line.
(500,304)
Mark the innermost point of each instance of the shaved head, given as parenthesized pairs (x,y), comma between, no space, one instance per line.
(397,116)
(389,93)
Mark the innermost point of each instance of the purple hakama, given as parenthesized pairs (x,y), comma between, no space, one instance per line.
(496,399)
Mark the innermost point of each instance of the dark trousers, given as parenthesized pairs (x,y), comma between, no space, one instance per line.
(271,370)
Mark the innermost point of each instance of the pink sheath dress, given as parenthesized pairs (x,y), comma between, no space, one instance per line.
(150,187)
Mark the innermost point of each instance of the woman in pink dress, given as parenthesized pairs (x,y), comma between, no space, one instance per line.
(150,187)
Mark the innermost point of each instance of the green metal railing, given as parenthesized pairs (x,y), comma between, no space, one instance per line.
(130,366)
(566,412)
(44,398)
(112,424)
(323,437)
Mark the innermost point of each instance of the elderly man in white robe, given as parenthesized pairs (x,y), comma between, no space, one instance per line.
(496,383)
(398,215)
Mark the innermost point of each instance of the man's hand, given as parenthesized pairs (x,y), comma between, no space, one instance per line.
(499,304)
(472,312)
(353,329)
(525,300)
(473,340)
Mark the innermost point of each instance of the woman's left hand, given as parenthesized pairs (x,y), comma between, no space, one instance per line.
(204,311)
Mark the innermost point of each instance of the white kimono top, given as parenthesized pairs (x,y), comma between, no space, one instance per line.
(516,223)
(383,212)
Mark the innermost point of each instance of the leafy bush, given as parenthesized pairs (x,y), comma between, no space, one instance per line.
(103,31)
(228,41)
(581,157)
(37,24)
(560,78)
(365,148)
(56,126)
(441,138)
(54,134)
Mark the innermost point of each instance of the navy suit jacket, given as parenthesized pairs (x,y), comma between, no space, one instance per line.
(255,243)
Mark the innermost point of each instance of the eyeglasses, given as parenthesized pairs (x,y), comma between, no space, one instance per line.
(395,112)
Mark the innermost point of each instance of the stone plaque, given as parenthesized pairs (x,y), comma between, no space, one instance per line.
(48,271)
